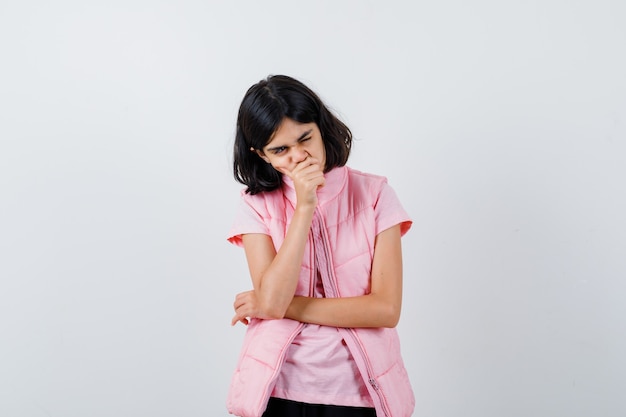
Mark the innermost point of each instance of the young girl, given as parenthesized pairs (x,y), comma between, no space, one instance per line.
(322,243)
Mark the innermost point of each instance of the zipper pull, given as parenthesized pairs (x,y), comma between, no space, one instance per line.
(374,384)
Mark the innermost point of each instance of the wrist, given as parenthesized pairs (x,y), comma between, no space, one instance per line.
(294,308)
(305,209)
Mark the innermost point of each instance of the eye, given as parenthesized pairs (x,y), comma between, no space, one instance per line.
(280,150)
(305,139)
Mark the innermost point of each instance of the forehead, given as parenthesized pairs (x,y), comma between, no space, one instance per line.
(291,131)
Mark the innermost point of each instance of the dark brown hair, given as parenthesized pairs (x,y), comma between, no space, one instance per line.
(263,108)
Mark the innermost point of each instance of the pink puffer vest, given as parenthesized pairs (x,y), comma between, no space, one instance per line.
(348,218)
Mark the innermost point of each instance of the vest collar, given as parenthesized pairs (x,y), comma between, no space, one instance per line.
(334,182)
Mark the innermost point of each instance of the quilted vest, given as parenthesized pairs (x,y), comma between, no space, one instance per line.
(343,233)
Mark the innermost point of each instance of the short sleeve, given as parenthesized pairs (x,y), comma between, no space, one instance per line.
(389,211)
(247,220)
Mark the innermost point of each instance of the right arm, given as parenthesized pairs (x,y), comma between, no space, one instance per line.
(275,274)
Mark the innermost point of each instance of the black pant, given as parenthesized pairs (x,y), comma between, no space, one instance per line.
(277,407)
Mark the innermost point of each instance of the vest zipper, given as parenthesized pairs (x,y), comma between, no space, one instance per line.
(333,286)
(370,374)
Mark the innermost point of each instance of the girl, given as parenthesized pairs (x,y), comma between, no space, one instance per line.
(322,243)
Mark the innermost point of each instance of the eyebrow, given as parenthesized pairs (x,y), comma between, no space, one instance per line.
(302,136)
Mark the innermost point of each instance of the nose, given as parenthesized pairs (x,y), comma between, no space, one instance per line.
(299,154)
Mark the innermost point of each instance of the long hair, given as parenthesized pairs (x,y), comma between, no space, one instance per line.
(262,110)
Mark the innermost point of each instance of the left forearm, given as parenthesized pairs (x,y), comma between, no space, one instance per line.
(363,311)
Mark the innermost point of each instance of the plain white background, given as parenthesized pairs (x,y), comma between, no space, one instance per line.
(501,125)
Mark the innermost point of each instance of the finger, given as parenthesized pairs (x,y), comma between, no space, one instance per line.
(241,299)
(313,179)
(308,163)
(242,294)
(312,173)
(302,165)
(238,319)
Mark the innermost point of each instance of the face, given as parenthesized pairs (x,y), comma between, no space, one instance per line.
(292,143)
